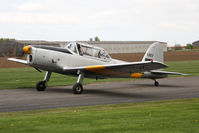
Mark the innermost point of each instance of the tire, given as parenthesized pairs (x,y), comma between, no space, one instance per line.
(77,88)
(41,86)
(156,83)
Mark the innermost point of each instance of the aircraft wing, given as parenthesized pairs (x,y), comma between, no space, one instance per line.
(18,60)
(169,73)
(118,70)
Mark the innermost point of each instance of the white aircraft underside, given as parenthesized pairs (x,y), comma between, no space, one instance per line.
(84,60)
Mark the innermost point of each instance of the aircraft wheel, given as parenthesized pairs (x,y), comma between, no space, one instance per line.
(156,83)
(41,86)
(77,88)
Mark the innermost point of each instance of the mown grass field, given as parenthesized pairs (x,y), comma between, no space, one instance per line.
(28,77)
(188,67)
(172,116)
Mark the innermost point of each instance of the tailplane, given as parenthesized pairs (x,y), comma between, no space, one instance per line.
(154,53)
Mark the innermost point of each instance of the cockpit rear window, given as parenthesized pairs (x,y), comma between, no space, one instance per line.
(94,52)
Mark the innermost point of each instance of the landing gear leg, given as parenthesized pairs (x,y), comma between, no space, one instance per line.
(156,83)
(41,85)
(78,88)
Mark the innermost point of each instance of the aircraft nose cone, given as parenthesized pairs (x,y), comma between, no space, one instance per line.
(27,49)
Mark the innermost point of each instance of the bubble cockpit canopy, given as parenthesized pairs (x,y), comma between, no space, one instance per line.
(88,50)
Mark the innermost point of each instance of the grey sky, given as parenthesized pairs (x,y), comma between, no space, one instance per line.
(62,20)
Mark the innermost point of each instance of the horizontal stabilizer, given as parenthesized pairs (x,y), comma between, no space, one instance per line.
(18,61)
(169,73)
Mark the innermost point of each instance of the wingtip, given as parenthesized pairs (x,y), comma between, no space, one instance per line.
(186,74)
(10,59)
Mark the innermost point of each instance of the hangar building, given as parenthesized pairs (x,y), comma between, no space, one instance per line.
(114,47)
(196,43)
(14,48)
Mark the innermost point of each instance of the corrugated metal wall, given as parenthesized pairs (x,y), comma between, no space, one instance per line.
(126,47)
(14,48)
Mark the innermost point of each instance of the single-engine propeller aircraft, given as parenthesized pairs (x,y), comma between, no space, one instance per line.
(83,60)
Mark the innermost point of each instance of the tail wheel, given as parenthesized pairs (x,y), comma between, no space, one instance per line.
(41,86)
(77,88)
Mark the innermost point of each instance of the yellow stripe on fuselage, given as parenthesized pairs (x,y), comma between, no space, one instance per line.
(136,75)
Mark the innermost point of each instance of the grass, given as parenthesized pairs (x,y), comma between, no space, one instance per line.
(171,116)
(27,77)
(188,67)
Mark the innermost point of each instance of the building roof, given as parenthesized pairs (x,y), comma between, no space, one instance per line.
(196,43)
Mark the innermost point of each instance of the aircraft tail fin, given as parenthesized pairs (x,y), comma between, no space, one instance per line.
(154,53)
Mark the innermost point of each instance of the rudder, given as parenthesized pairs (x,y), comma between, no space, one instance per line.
(154,53)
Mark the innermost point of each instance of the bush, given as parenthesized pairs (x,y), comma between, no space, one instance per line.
(189,46)
(6,39)
(178,47)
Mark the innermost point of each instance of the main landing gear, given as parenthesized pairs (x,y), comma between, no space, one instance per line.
(78,88)
(156,83)
(41,85)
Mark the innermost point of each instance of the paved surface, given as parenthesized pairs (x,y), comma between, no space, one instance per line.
(98,94)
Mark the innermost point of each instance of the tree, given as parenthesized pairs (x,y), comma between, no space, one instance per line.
(189,46)
(97,39)
(6,39)
(91,39)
